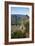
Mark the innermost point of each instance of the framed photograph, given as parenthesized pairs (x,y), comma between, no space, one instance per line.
(19,22)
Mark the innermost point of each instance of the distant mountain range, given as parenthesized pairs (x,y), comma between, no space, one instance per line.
(18,17)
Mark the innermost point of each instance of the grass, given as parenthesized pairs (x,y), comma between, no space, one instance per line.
(19,33)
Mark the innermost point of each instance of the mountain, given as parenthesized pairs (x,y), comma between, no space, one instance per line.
(17,18)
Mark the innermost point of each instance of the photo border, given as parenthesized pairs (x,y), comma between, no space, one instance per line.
(7,24)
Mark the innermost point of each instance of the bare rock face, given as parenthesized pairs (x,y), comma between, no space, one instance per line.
(22,28)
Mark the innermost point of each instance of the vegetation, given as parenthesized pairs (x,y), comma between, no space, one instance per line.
(19,33)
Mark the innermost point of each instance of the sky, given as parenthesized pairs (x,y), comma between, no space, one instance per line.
(19,10)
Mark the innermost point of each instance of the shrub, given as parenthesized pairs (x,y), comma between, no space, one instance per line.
(18,34)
